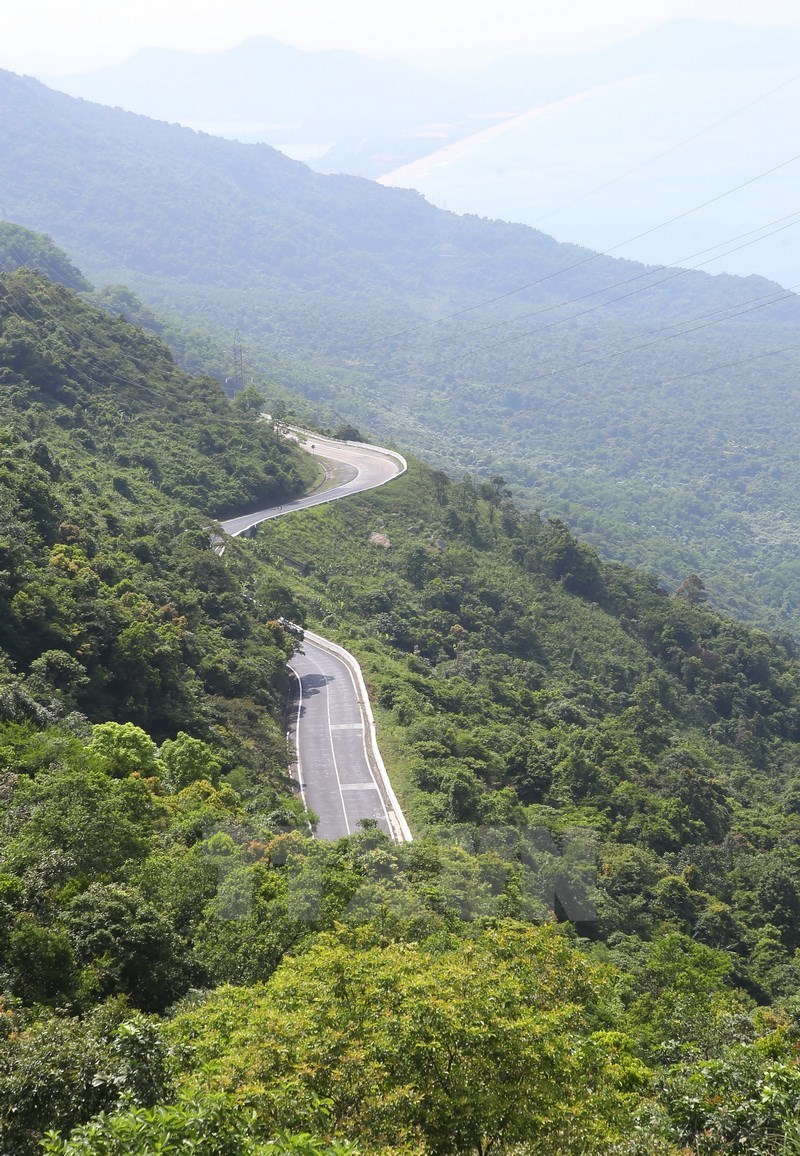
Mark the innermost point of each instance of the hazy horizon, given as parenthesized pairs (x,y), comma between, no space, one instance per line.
(573,147)
(44,36)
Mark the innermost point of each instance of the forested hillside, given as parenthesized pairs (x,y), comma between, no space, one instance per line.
(142,685)
(591,945)
(22,248)
(523,682)
(653,409)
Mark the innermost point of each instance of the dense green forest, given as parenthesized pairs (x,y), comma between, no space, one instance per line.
(591,945)
(522,682)
(653,409)
(22,248)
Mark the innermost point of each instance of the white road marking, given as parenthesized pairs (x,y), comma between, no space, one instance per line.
(367,759)
(330,740)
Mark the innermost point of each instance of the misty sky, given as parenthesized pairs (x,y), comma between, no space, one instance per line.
(57,37)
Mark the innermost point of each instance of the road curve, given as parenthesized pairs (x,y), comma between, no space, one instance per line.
(338,767)
(350,468)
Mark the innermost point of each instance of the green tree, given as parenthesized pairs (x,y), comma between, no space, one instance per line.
(58,1071)
(682,991)
(249,402)
(40,963)
(692,590)
(205,1124)
(125,946)
(466,1048)
(186,760)
(123,748)
(98,822)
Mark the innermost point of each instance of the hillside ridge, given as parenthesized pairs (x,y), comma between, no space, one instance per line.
(651,408)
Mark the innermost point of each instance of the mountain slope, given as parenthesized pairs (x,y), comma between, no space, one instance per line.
(176,954)
(112,458)
(23,249)
(653,411)
(127,193)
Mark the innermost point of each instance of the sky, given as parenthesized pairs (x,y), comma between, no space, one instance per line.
(55,37)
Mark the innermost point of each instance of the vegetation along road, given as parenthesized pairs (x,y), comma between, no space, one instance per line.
(339,767)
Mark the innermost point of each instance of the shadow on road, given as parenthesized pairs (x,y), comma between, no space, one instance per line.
(311,684)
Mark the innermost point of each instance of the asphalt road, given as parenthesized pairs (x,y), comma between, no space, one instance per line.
(333,768)
(338,769)
(349,469)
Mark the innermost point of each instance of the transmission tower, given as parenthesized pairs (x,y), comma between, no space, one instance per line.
(238,362)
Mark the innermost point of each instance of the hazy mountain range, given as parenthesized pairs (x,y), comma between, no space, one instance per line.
(527,138)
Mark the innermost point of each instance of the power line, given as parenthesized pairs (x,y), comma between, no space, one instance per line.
(655,341)
(594,256)
(793,219)
(751,306)
(52,272)
(666,152)
(729,364)
(679,264)
(783,295)
(82,371)
(586,260)
(139,385)
(110,373)
(624,297)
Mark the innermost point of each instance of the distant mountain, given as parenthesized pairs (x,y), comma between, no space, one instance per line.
(690,44)
(561,127)
(324,107)
(655,409)
(648,131)
(348,109)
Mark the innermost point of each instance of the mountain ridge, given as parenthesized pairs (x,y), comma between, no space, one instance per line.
(356,214)
(365,301)
(354,111)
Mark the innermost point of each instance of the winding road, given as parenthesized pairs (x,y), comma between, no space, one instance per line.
(338,768)
(350,468)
